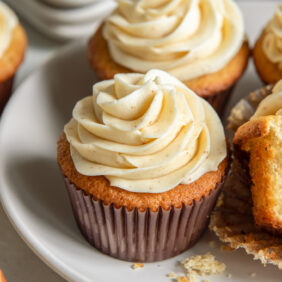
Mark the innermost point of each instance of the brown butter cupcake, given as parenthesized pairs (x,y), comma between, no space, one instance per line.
(267,52)
(199,42)
(248,210)
(261,137)
(12,50)
(143,161)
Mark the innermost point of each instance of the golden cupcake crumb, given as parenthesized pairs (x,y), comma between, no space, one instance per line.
(182,279)
(212,244)
(226,248)
(137,265)
(171,275)
(203,265)
(253,274)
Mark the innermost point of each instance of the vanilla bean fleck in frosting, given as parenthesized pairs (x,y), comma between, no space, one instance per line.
(272,41)
(187,38)
(145,133)
(8,21)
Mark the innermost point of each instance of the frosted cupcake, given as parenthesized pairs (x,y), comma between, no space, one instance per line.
(201,42)
(143,161)
(268,50)
(12,49)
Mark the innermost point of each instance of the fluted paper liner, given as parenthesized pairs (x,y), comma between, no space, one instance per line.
(220,99)
(143,236)
(5,92)
(232,219)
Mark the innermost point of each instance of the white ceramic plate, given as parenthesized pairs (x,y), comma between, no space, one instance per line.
(32,191)
(68,3)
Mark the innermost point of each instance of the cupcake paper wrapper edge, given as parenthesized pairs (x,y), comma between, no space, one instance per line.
(144,236)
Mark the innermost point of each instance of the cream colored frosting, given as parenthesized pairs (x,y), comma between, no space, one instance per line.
(145,133)
(271,104)
(272,41)
(187,38)
(8,21)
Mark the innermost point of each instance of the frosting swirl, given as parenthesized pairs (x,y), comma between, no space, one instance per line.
(272,41)
(187,38)
(145,133)
(8,21)
(272,104)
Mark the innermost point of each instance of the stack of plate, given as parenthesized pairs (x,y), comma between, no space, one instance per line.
(63,19)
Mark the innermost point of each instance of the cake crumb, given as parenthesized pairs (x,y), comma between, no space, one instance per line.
(226,248)
(220,201)
(171,275)
(182,279)
(253,274)
(203,265)
(137,265)
(228,275)
(212,244)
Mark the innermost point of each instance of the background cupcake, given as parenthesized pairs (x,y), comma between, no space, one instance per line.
(143,161)
(12,48)
(200,42)
(268,50)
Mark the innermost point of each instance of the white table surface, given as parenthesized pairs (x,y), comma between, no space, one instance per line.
(17,261)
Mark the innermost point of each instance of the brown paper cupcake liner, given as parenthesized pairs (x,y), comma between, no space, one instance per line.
(220,99)
(5,92)
(143,236)
(232,220)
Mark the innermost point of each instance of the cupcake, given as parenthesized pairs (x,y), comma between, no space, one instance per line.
(248,213)
(143,160)
(12,48)
(201,43)
(267,52)
(261,138)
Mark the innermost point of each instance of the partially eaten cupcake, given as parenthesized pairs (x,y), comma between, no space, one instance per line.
(261,137)
(249,212)
(143,160)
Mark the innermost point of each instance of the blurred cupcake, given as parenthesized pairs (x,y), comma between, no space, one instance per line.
(13,43)
(200,42)
(143,161)
(267,52)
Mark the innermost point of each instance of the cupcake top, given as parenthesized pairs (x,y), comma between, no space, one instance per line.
(8,21)
(188,39)
(272,41)
(145,133)
(272,104)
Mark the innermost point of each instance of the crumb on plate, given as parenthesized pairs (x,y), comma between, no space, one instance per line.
(182,279)
(212,244)
(203,265)
(226,248)
(137,265)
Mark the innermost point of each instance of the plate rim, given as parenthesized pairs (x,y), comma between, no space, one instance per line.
(33,243)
